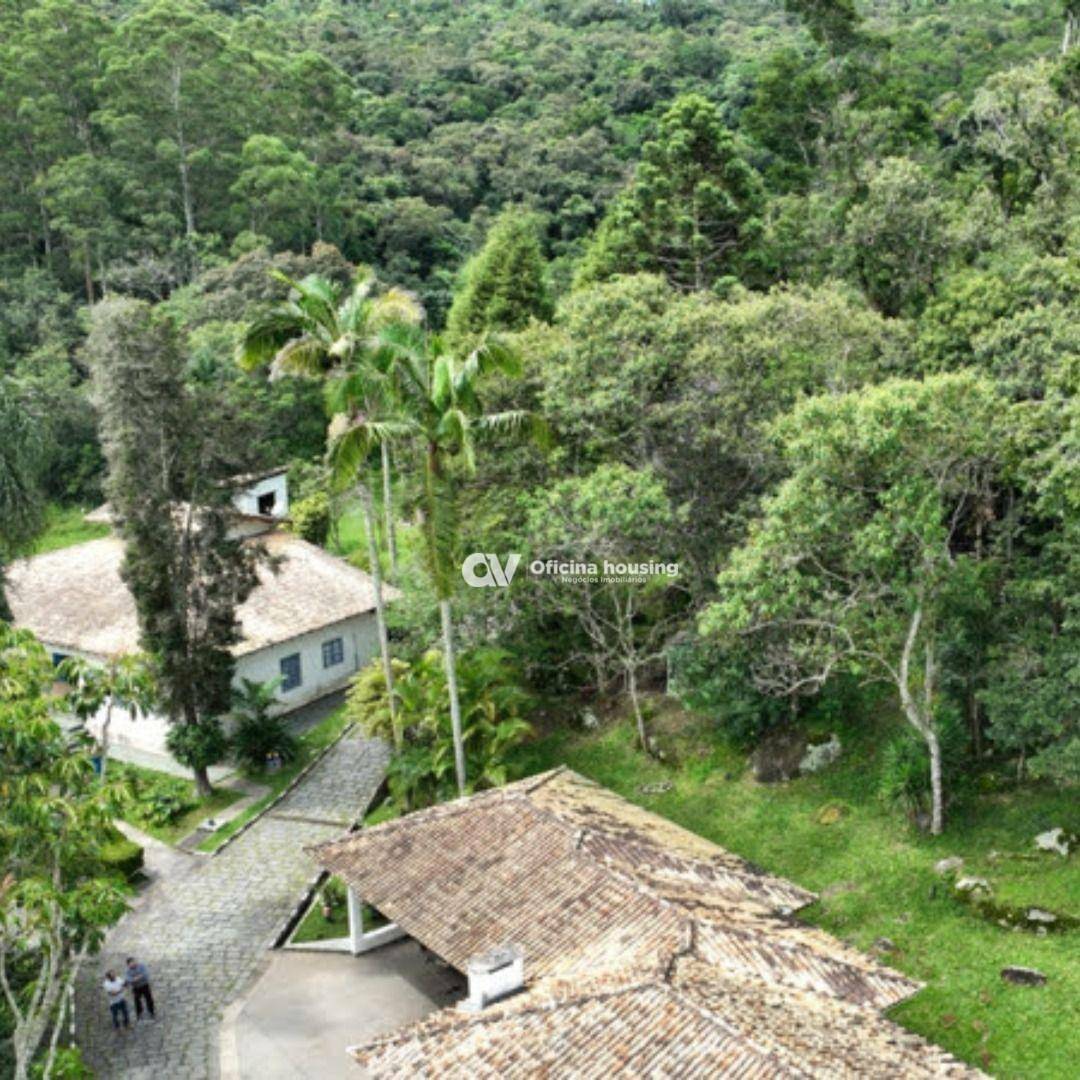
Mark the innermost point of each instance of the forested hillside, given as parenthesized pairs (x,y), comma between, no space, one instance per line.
(784,292)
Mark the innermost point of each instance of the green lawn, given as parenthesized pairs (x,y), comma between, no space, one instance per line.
(64,526)
(315,926)
(882,880)
(150,781)
(311,742)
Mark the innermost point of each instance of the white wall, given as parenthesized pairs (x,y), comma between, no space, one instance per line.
(361,643)
(246,500)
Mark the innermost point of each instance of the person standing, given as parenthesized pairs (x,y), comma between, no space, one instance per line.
(114,993)
(138,978)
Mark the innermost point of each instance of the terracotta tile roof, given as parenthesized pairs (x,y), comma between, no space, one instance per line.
(690,1023)
(74,598)
(641,941)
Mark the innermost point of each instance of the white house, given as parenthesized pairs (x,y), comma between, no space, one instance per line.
(310,622)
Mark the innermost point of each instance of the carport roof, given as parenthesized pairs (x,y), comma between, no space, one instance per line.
(629,925)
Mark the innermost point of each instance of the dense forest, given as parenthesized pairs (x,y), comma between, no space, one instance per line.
(779,299)
(795,287)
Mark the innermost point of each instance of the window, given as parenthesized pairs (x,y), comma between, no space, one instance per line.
(333,652)
(267,502)
(290,672)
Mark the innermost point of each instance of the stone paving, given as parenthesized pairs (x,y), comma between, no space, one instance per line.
(204,933)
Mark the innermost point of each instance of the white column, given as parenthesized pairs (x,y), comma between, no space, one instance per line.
(356,923)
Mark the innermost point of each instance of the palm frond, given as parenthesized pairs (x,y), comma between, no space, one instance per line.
(396,306)
(442,382)
(264,338)
(304,356)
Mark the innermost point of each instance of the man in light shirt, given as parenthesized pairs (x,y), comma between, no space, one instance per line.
(114,993)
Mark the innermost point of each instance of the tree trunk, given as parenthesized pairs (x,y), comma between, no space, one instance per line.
(1072,28)
(452,688)
(922,719)
(388,510)
(631,688)
(182,152)
(105,739)
(367,507)
(202,782)
(936,808)
(88,275)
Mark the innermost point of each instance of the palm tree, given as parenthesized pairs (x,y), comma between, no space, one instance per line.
(317,330)
(359,401)
(437,401)
(315,333)
(122,682)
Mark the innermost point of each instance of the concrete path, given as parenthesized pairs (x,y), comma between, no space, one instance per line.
(205,933)
(307,1008)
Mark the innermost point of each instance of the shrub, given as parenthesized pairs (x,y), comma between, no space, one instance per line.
(158,799)
(718,684)
(257,738)
(311,518)
(904,778)
(198,746)
(121,856)
(258,735)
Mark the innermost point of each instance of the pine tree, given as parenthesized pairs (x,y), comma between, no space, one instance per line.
(690,211)
(503,285)
(187,575)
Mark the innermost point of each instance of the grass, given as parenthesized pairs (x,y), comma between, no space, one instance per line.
(186,822)
(311,743)
(881,876)
(316,926)
(64,526)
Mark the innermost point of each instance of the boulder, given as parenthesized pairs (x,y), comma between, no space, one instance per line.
(949,865)
(1038,915)
(973,886)
(778,755)
(819,755)
(1055,840)
(1023,976)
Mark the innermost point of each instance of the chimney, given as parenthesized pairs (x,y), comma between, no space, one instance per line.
(494,975)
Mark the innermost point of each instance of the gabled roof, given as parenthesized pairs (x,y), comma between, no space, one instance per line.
(637,936)
(74,598)
(685,1022)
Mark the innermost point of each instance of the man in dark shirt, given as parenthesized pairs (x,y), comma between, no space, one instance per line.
(138,978)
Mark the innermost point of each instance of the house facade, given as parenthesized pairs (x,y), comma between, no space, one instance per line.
(309,623)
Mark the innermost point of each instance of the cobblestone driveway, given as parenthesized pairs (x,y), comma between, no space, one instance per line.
(204,933)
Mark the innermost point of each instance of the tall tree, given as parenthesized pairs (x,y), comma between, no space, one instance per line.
(55,896)
(186,572)
(861,551)
(502,287)
(438,399)
(20,493)
(97,690)
(321,330)
(616,515)
(691,210)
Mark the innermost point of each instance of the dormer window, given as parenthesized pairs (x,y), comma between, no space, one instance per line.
(267,502)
